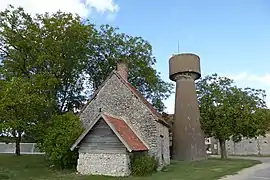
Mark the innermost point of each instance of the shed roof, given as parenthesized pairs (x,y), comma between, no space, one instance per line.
(121,129)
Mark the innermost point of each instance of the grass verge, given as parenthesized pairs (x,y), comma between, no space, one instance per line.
(33,167)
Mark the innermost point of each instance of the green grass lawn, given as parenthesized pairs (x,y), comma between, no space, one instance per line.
(33,167)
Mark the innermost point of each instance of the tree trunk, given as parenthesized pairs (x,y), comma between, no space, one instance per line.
(18,141)
(223,151)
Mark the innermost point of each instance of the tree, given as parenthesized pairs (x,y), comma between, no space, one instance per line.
(20,107)
(111,47)
(62,132)
(46,59)
(53,45)
(230,112)
(68,50)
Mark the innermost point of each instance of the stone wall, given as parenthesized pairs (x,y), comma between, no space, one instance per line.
(166,145)
(104,164)
(26,148)
(259,146)
(115,98)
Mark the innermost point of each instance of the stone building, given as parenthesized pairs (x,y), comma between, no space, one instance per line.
(118,121)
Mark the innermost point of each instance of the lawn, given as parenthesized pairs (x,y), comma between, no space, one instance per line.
(33,167)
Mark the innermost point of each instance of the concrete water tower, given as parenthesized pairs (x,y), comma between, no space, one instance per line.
(188,138)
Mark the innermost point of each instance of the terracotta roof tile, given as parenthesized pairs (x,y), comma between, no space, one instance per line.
(127,134)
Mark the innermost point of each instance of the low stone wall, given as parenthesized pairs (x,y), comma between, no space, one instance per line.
(26,148)
(259,146)
(103,164)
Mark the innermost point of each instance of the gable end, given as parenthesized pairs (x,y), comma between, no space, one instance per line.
(119,128)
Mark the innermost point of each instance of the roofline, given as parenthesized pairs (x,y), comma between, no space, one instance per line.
(164,123)
(127,122)
(117,134)
(96,92)
(81,137)
(101,115)
(158,119)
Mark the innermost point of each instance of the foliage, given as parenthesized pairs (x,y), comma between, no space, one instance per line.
(53,45)
(143,164)
(20,105)
(71,52)
(228,111)
(111,47)
(59,137)
(8,139)
(51,57)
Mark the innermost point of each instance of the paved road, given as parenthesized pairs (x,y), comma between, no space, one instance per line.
(257,172)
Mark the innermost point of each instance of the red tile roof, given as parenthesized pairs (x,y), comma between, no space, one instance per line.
(126,133)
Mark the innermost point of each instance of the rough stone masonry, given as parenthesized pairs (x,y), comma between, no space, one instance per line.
(105,164)
(115,97)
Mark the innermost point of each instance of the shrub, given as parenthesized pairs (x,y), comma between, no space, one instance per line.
(61,133)
(143,164)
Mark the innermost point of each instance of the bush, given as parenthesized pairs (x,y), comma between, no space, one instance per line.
(143,164)
(59,137)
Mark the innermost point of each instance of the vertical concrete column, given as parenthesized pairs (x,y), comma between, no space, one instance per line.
(188,138)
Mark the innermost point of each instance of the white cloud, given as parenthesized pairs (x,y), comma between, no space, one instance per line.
(81,7)
(236,77)
(254,81)
(264,79)
(103,5)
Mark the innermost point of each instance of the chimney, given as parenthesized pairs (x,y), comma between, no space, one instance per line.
(122,69)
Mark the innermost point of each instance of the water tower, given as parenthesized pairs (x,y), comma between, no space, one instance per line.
(188,138)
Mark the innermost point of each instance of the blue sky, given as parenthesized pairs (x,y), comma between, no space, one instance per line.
(231,37)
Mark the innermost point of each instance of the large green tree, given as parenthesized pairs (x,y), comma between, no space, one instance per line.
(72,52)
(230,112)
(54,45)
(22,106)
(111,47)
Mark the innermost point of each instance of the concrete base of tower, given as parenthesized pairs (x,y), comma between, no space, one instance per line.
(188,137)
(189,151)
